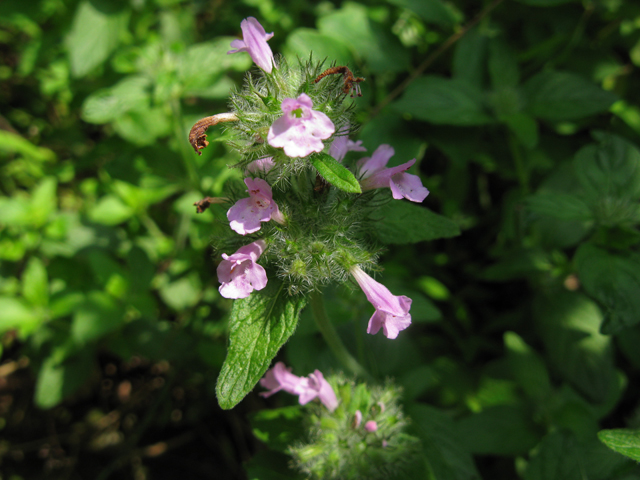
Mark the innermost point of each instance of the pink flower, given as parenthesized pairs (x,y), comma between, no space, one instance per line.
(392,312)
(371,426)
(341,145)
(357,419)
(239,273)
(254,41)
(281,378)
(261,165)
(300,130)
(375,175)
(247,213)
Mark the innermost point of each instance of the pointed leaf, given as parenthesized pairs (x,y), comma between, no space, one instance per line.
(404,222)
(335,173)
(622,440)
(260,325)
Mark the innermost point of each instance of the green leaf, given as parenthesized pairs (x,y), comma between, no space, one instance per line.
(557,458)
(524,127)
(432,11)
(130,93)
(143,126)
(110,210)
(545,3)
(609,169)
(443,101)
(17,314)
(622,440)
(613,280)
(14,143)
(560,96)
(304,40)
(35,284)
(56,380)
(260,324)
(98,315)
(527,367)
(404,222)
(43,201)
(503,66)
(569,324)
(95,33)
(444,451)
(469,58)
(563,206)
(499,430)
(335,173)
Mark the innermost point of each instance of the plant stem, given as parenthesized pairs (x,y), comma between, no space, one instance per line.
(331,337)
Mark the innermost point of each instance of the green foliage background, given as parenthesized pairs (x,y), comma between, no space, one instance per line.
(526,128)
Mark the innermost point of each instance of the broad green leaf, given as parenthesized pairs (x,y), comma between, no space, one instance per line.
(35,283)
(259,326)
(445,452)
(304,40)
(98,315)
(609,169)
(110,210)
(443,101)
(503,66)
(498,430)
(16,314)
(557,458)
(569,324)
(404,222)
(432,11)
(613,280)
(183,293)
(469,58)
(352,26)
(563,206)
(143,126)
(43,201)
(335,173)
(278,427)
(130,93)
(95,33)
(524,127)
(527,367)
(57,380)
(13,143)
(560,96)
(622,440)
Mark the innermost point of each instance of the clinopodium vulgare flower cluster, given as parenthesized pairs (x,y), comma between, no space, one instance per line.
(306,218)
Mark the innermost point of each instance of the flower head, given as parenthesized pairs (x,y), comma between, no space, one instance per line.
(254,41)
(307,388)
(374,174)
(261,165)
(392,312)
(247,213)
(371,426)
(239,273)
(300,130)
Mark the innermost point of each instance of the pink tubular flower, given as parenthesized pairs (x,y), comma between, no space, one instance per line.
(239,273)
(254,41)
(375,175)
(280,378)
(341,145)
(300,130)
(261,165)
(371,426)
(392,312)
(247,213)
(357,419)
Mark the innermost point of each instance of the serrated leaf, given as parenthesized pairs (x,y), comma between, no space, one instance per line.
(622,440)
(613,280)
(560,96)
(95,33)
(404,222)
(35,284)
(260,324)
(563,206)
(444,101)
(335,173)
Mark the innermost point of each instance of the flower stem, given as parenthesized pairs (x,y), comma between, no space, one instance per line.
(331,337)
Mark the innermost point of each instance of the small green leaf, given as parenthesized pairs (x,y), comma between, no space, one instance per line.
(14,143)
(404,222)
(130,93)
(524,127)
(613,280)
(335,173)
(304,40)
(95,33)
(556,458)
(260,325)
(622,440)
(432,11)
(527,367)
(17,314)
(559,205)
(98,315)
(35,284)
(559,96)
(469,57)
(503,66)
(56,380)
(444,101)
(110,210)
